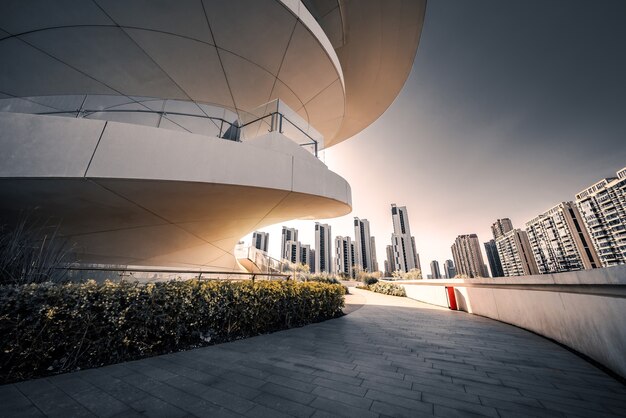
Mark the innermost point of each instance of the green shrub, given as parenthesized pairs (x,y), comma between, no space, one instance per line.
(368,280)
(50,328)
(388,289)
(385,288)
(322,278)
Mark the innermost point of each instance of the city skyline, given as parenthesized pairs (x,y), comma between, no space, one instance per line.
(463,126)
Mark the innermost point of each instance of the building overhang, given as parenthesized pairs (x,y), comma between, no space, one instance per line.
(131,195)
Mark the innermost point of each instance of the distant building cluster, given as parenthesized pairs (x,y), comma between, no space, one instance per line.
(350,255)
(586,233)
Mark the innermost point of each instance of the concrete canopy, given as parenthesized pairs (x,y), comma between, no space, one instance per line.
(128,194)
(142,195)
(237,54)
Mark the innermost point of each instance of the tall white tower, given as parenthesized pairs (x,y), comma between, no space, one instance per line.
(404,252)
(362,244)
(323,248)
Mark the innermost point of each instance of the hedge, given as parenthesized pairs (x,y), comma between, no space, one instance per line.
(49,328)
(385,288)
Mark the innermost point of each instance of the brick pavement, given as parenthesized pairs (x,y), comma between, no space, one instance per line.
(389,357)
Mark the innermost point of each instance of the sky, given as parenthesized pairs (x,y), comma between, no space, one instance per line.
(511,107)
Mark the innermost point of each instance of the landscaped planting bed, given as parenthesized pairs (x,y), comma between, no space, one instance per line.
(49,328)
(385,288)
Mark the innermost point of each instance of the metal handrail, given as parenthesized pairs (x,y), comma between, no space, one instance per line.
(280,127)
(198,272)
(87,112)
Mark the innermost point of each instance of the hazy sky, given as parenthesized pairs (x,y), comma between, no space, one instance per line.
(511,108)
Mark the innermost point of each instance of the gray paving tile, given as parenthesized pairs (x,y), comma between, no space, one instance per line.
(336,408)
(393,410)
(409,403)
(340,386)
(343,397)
(288,393)
(284,405)
(392,358)
(461,405)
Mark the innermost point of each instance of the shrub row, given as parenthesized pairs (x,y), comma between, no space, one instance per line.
(50,328)
(386,288)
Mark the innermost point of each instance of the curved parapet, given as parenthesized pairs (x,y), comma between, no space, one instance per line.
(234,54)
(142,126)
(339,68)
(130,194)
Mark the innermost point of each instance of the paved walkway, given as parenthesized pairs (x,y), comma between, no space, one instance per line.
(390,357)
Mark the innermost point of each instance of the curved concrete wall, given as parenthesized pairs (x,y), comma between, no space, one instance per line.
(135,195)
(584,310)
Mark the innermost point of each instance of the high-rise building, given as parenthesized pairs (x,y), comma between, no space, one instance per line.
(449,268)
(560,242)
(305,255)
(603,210)
(467,256)
(323,248)
(343,256)
(111,113)
(292,252)
(495,264)
(373,250)
(353,249)
(434,269)
(362,244)
(501,227)
(405,256)
(390,265)
(288,234)
(260,240)
(312,264)
(516,254)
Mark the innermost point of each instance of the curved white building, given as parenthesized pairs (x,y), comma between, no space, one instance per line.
(161,132)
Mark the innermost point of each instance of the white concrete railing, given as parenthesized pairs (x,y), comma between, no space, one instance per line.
(584,310)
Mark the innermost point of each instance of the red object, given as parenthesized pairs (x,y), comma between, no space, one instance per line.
(451,298)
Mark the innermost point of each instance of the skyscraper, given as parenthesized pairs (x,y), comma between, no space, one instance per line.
(404,253)
(390,265)
(343,256)
(313,258)
(560,241)
(516,254)
(292,250)
(603,210)
(288,234)
(305,255)
(260,240)
(373,250)
(434,269)
(495,264)
(501,227)
(467,256)
(362,244)
(449,268)
(323,248)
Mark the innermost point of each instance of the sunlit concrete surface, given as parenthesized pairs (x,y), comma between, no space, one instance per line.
(584,310)
(200,71)
(234,54)
(138,195)
(389,357)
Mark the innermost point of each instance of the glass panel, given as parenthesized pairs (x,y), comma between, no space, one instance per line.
(69,103)
(197,125)
(146,119)
(188,108)
(23,105)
